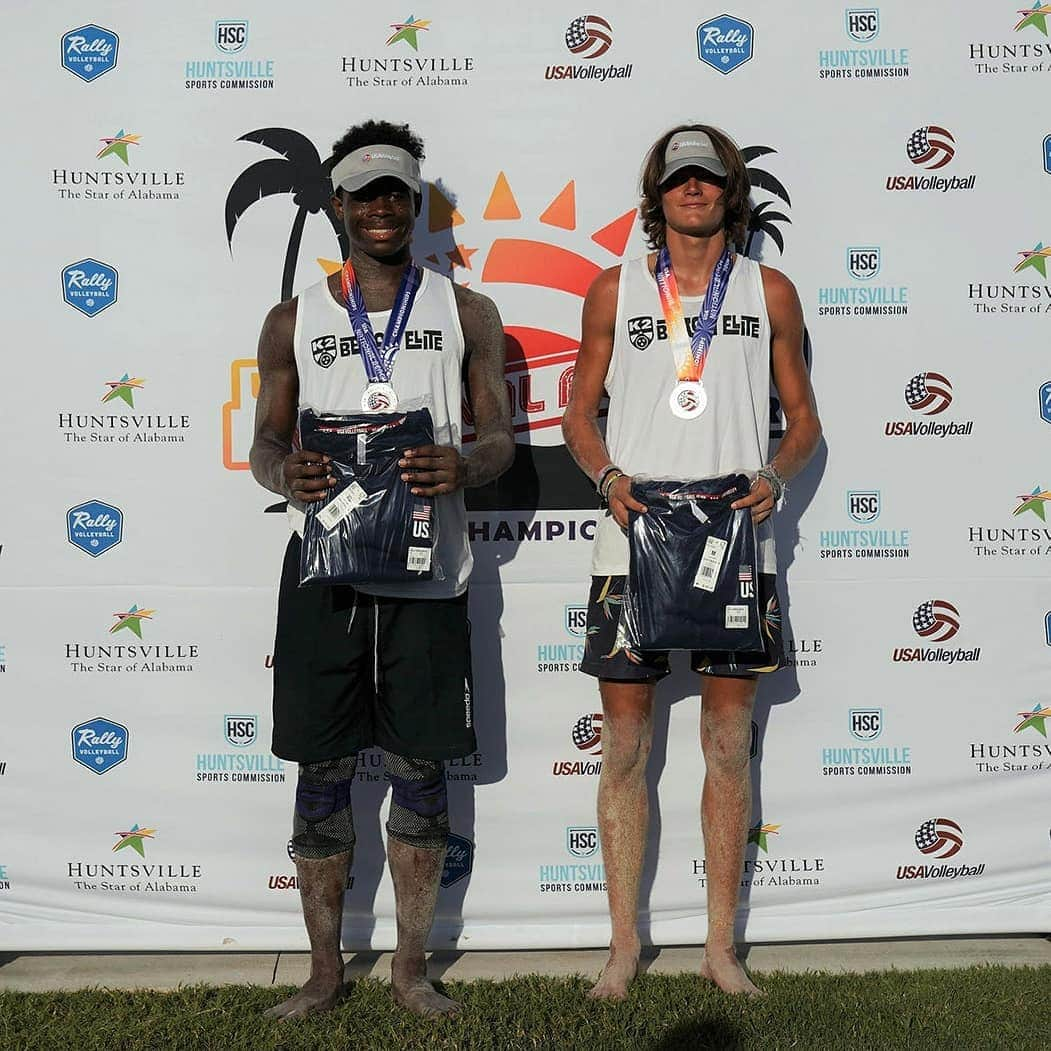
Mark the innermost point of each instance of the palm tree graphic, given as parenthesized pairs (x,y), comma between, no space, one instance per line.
(762,219)
(300,172)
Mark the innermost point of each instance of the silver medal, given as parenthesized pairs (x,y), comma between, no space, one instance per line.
(688,399)
(379,397)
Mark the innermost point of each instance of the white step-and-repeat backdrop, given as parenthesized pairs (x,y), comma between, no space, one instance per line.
(165,188)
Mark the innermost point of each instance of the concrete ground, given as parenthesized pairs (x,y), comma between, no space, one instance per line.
(45,972)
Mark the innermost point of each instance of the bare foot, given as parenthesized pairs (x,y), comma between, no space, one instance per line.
(318,995)
(619,972)
(722,967)
(415,993)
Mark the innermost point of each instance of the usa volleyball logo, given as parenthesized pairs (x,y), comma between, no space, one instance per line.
(931,147)
(939,836)
(587,733)
(936,620)
(589,36)
(929,393)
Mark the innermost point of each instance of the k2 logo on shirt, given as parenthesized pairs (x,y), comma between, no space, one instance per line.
(642,329)
(325,349)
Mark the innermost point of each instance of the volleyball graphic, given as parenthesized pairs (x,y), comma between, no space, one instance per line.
(929,393)
(939,836)
(589,36)
(587,733)
(936,620)
(931,147)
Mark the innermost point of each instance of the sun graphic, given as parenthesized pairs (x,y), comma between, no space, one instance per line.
(540,361)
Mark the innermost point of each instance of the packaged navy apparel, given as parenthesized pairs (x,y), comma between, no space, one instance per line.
(691,576)
(371,528)
(644,437)
(428,366)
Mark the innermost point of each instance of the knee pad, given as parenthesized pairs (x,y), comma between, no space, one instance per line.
(419,808)
(323,825)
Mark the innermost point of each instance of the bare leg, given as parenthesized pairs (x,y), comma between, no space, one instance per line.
(416,872)
(322,884)
(623,818)
(726,807)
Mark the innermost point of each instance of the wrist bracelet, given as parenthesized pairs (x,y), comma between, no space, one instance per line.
(608,482)
(603,475)
(774,479)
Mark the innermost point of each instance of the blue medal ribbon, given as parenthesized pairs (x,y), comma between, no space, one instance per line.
(379,361)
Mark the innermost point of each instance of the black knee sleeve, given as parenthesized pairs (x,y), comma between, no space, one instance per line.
(323,825)
(419,808)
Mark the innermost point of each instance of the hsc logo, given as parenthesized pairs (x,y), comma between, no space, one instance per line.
(89,286)
(862,23)
(100,744)
(231,36)
(94,527)
(241,730)
(863,262)
(89,51)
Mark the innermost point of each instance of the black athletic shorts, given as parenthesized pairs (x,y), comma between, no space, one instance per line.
(353,670)
(609,655)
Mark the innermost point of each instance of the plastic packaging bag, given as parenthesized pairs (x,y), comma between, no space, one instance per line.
(692,572)
(371,529)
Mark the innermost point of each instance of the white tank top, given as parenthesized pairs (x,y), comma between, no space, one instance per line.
(428,367)
(642,434)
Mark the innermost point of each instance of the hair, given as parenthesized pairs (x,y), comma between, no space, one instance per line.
(376,133)
(735,197)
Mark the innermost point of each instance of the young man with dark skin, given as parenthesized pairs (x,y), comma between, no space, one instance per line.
(386,665)
(695,203)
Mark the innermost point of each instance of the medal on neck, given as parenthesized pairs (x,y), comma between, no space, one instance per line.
(379,394)
(688,398)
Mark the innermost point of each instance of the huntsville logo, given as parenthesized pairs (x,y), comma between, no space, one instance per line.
(123,428)
(864,263)
(864,506)
(231,37)
(862,25)
(999,59)
(936,621)
(125,657)
(928,394)
(1033,297)
(930,147)
(120,183)
(762,871)
(444,71)
(134,877)
(1010,539)
(588,37)
(133,839)
(1017,757)
(940,838)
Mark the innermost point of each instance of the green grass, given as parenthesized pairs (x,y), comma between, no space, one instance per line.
(980,1007)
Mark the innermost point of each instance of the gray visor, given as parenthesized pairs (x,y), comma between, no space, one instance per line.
(694,149)
(369,163)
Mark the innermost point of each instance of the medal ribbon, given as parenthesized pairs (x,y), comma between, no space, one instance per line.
(379,361)
(691,354)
